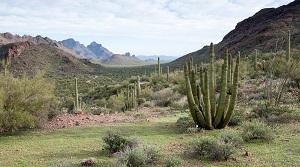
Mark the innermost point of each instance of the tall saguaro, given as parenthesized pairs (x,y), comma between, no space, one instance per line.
(77,106)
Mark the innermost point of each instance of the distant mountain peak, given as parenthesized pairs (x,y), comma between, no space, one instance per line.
(94,44)
(101,52)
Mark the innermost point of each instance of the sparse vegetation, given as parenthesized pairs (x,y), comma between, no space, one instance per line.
(210,148)
(116,143)
(257,131)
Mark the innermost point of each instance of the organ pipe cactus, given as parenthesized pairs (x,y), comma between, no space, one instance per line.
(131,97)
(207,110)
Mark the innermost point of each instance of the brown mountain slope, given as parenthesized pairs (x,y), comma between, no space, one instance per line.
(27,57)
(261,31)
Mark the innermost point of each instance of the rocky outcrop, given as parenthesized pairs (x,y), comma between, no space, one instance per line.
(14,49)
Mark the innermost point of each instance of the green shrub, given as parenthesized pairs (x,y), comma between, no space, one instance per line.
(146,93)
(184,123)
(133,158)
(116,102)
(236,119)
(100,110)
(210,148)
(276,114)
(257,131)
(24,102)
(165,97)
(141,101)
(116,143)
(172,161)
(231,138)
(139,157)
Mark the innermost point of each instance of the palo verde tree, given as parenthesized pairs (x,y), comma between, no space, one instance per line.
(207,110)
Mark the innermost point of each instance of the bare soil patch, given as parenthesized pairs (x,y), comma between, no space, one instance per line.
(82,119)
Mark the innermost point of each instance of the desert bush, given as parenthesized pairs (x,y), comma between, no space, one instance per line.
(100,110)
(116,102)
(295,77)
(165,97)
(139,156)
(232,138)
(24,102)
(210,148)
(276,114)
(257,131)
(100,102)
(237,118)
(149,104)
(184,123)
(172,161)
(114,142)
(180,104)
(146,93)
(141,101)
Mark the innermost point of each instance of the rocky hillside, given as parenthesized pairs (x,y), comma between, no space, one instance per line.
(31,54)
(261,31)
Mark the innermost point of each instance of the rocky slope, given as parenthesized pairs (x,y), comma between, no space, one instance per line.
(261,31)
(31,54)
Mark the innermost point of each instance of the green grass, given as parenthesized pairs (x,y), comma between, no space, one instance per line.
(67,147)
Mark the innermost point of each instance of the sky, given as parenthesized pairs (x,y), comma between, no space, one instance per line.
(141,27)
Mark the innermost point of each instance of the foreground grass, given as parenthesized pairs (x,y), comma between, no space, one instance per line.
(67,147)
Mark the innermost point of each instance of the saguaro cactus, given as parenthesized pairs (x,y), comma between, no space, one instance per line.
(207,111)
(77,106)
(138,89)
(130,102)
(168,73)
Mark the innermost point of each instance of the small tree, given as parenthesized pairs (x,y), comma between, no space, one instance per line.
(24,102)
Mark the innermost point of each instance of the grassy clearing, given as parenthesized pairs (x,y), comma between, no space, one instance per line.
(67,147)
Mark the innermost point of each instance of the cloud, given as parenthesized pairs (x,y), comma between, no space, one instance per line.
(172,27)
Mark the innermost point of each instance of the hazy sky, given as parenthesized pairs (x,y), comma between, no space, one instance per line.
(142,27)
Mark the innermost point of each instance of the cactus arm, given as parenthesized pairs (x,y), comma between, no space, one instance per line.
(194,87)
(207,111)
(222,99)
(211,81)
(234,93)
(194,110)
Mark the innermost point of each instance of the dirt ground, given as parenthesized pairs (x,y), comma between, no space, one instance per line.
(67,120)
